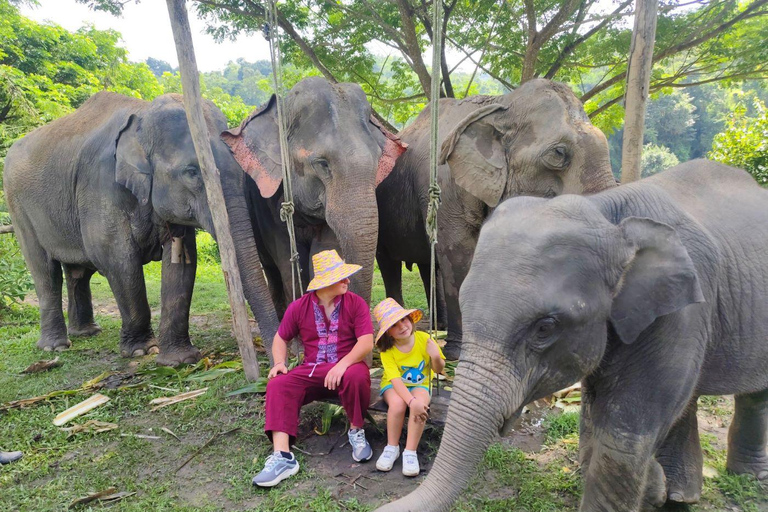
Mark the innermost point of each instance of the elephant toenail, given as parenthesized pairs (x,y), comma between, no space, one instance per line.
(762,475)
(47,349)
(676,497)
(138,353)
(154,350)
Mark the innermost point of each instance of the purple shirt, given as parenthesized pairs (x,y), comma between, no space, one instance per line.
(299,319)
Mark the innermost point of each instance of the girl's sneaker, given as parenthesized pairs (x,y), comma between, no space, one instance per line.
(387,458)
(277,468)
(410,463)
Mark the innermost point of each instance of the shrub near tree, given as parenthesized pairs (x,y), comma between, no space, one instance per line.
(744,142)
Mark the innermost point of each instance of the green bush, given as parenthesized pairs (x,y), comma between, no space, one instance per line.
(744,143)
(656,159)
(207,249)
(15,280)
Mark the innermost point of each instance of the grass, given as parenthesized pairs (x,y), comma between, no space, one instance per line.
(56,468)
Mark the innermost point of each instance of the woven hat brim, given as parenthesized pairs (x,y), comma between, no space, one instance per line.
(333,277)
(415,315)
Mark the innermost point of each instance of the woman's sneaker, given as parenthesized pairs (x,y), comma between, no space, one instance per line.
(361,450)
(277,468)
(410,463)
(387,458)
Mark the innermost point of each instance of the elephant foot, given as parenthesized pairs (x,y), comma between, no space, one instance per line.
(748,464)
(688,491)
(84,331)
(137,345)
(452,350)
(179,355)
(655,487)
(50,343)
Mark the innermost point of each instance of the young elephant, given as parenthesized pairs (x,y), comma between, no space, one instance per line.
(105,189)
(652,294)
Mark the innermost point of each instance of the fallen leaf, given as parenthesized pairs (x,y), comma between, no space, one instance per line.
(710,472)
(80,409)
(168,431)
(566,469)
(42,365)
(90,427)
(260,386)
(92,497)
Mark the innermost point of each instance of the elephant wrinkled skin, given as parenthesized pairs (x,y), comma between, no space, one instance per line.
(652,294)
(534,141)
(107,188)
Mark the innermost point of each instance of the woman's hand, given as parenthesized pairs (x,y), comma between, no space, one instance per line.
(333,377)
(278,368)
(419,410)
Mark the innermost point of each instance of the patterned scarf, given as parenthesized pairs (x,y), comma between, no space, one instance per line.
(326,350)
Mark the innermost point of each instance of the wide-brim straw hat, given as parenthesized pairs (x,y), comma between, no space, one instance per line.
(329,269)
(388,312)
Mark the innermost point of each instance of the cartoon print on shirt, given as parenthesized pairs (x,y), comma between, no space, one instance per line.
(414,375)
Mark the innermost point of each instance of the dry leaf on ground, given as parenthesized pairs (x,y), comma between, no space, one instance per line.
(42,365)
(165,401)
(91,427)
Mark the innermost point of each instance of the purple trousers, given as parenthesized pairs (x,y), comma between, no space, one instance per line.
(287,393)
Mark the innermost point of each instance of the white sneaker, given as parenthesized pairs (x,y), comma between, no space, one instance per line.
(410,463)
(387,458)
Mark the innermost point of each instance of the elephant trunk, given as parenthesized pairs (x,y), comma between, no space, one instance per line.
(251,273)
(598,176)
(475,417)
(354,218)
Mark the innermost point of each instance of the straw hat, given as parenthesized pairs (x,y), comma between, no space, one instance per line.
(388,312)
(329,269)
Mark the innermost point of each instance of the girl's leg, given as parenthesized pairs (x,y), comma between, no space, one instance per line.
(415,428)
(395,416)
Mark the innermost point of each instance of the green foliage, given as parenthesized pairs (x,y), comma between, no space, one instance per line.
(558,426)
(656,159)
(207,249)
(15,280)
(744,142)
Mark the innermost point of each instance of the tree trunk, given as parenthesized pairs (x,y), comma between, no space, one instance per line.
(194,107)
(638,82)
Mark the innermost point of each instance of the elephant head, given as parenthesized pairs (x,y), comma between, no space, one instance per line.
(552,287)
(535,141)
(155,159)
(338,154)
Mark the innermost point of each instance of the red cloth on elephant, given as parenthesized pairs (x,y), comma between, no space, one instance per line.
(299,320)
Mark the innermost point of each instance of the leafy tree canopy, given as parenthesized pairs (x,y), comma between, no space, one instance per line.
(744,142)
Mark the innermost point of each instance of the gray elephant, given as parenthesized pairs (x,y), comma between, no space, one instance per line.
(536,140)
(339,153)
(652,294)
(107,188)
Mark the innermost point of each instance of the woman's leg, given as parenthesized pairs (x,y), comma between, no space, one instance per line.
(395,416)
(416,428)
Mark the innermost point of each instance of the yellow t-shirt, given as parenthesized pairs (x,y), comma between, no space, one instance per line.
(409,366)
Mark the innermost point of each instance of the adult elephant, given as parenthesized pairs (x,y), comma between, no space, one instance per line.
(653,294)
(108,188)
(536,141)
(339,153)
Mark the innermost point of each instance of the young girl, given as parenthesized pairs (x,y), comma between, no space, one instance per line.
(410,359)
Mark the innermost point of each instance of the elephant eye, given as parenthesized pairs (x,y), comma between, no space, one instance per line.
(557,157)
(321,167)
(191,171)
(543,332)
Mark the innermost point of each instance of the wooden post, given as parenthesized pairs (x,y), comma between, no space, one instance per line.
(638,81)
(190,81)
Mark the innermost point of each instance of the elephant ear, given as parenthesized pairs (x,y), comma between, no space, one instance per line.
(132,169)
(476,156)
(658,280)
(255,144)
(390,152)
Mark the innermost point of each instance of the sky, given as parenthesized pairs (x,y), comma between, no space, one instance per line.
(146,32)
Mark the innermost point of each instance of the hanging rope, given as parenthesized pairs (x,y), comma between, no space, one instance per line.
(434,188)
(287,208)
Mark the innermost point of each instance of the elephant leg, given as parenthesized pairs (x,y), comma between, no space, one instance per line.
(80,308)
(681,458)
(392,275)
(177,285)
(129,289)
(442,310)
(748,436)
(46,274)
(454,264)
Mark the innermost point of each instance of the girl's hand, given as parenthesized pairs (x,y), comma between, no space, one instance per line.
(419,409)
(278,368)
(432,349)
